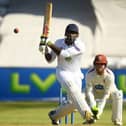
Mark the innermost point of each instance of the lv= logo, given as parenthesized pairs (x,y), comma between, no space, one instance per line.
(42,85)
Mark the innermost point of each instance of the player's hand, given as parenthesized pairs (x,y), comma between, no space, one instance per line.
(49,43)
(95,111)
(43,41)
(41,48)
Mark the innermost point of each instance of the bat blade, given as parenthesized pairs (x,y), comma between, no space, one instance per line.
(47,20)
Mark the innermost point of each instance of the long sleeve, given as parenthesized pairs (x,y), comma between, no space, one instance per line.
(73,50)
(89,92)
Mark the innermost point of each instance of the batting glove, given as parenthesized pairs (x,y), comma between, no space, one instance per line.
(41,48)
(43,40)
(43,45)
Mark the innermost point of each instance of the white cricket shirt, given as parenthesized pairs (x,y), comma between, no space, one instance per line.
(100,84)
(70,56)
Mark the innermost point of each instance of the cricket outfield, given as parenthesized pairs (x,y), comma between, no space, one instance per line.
(36,114)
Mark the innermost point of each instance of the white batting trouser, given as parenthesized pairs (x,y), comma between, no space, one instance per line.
(73,85)
(117,106)
(63,109)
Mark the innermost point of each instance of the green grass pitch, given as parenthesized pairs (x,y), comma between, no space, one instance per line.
(36,114)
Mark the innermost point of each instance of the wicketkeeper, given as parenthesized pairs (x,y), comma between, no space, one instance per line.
(100,85)
(68,52)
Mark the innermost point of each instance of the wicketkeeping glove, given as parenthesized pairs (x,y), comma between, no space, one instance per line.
(95,111)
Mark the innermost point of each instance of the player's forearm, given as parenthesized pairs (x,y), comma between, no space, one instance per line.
(91,97)
(48,57)
(106,96)
(103,101)
(56,49)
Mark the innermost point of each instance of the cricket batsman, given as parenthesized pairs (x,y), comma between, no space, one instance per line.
(100,85)
(68,51)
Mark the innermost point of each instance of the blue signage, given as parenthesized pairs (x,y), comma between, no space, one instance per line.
(39,83)
(28,83)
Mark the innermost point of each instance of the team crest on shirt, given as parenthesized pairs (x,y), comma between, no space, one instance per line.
(68,59)
(99,87)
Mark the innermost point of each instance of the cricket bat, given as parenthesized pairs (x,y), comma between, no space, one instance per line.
(47,22)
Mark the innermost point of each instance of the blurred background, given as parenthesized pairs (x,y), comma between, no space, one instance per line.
(22,67)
